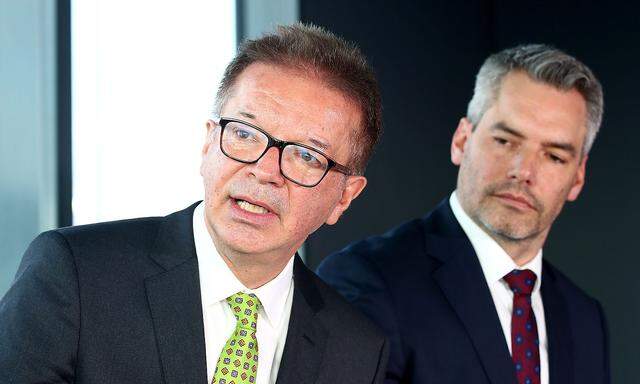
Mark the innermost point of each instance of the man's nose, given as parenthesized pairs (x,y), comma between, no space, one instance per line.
(267,168)
(523,167)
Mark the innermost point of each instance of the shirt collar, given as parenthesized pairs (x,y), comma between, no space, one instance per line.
(494,260)
(218,282)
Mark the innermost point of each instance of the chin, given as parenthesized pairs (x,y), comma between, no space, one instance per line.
(508,227)
(515,231)
(245,244)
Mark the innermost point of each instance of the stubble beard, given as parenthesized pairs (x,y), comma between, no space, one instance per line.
(504,223)
(504,227)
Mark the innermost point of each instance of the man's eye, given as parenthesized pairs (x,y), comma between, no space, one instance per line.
(308,158)
(501,141)
(242,133)
(556,159)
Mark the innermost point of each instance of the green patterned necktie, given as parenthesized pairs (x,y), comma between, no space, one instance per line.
(238,361)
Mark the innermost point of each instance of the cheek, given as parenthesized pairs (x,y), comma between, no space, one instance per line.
(478,161)
(480,172)
(557,179)
(215,171)
(309,210)
(554,187)
(557,192)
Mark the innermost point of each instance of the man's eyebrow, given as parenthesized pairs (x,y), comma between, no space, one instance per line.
(247,115)
(501,126)
(315,142)
(320,144)
(568,147)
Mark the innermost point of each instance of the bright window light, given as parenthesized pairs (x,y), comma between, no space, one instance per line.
(144,74)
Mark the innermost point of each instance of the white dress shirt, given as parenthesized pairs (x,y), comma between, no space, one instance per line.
(217,282)
(496,263)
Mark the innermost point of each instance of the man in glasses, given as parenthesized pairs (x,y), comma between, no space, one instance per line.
(464,293)
(216,293)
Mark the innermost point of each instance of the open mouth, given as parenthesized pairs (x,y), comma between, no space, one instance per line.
(249,207)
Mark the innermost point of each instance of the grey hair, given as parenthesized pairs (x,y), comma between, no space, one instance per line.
(545,64)
(327,57)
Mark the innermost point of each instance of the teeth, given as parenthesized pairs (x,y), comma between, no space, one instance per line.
(251,207)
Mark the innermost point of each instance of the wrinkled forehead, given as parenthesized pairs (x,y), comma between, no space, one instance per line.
(293,105)
(537,107)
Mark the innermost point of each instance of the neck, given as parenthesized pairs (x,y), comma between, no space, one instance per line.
(521,251)
(253,271)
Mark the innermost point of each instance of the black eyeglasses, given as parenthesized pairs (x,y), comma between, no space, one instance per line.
(299,163)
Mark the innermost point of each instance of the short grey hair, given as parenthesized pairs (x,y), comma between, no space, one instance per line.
(323,55)
(545,64)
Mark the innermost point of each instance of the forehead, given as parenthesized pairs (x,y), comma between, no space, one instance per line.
(538,109)
(293,106)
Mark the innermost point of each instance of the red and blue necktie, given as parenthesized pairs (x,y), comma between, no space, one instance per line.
(524,331)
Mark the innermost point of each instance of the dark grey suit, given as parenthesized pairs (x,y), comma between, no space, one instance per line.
(120,303)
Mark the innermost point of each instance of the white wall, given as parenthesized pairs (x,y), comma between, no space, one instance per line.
(144,74)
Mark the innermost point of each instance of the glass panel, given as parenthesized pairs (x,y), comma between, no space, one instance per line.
(144,76)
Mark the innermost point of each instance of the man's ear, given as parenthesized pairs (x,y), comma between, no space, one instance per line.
(208,140)
(355,185)
(460,137)
(578,183)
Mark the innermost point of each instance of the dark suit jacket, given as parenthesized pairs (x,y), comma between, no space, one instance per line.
(120,303)
(423,284)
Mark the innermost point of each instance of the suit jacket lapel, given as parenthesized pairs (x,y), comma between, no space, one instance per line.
(558,329)
(462,281)
(306,338)
(175,303)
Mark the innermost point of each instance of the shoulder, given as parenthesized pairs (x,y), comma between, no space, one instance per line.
(57,255)
(106,251)
(108,234)
(128,233)
(340,316)
(563,282)
(577,300)
(402,245)
(581,317)
(401,242)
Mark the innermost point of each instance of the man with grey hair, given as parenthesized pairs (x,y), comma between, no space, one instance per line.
(464,293)
(216,293)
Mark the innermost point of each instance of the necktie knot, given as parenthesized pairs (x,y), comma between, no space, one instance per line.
(245,307)
(521,281)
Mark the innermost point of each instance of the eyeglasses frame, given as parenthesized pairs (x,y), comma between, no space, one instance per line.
(280,144)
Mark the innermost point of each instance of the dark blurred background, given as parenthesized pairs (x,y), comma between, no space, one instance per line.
(426,55)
